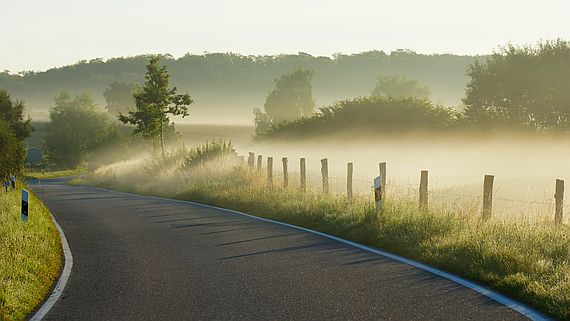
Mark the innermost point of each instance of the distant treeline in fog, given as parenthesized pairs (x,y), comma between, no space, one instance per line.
(237,84)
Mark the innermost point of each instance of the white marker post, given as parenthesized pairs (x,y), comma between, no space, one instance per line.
(378,192)
(25,198)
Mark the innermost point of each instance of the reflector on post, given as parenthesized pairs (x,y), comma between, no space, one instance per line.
(25,198)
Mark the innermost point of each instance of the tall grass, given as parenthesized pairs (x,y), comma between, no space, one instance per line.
(30,255)
(528,261)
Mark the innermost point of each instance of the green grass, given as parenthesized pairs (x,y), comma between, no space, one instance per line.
(54,174)
(528,262)
(30,256)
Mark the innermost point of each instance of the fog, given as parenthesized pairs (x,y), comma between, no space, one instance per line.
(525,167)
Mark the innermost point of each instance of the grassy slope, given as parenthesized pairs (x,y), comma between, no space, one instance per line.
(30,256)
(530,263)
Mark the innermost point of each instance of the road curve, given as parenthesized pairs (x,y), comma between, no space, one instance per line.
(141,258)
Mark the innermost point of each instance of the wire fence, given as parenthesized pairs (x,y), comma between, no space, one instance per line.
(466,200)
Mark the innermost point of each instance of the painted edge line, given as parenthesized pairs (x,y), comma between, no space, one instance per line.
(63,278)
(500,298)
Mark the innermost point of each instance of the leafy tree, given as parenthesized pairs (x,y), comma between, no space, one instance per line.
(76,128)
(119,97)
(521,87)
(12,151)
(292,97)
(261,120)
(12,112)
(155,102)
(399,86)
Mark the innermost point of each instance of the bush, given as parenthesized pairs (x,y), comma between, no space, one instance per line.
(369,115)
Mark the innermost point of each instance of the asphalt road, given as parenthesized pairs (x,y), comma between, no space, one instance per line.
(140,258)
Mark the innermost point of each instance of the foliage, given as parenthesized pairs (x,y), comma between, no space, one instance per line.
(369,115)
(30,256)
(12,152)
(155,101)
(521,87)
(76,128)
(119,97)
(292,97)
(208,152)
(12,112)
(234,82)
(399,86)
(262,121)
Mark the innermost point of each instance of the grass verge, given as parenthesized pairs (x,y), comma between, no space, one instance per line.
(30,255)
(528,262)
(54,174)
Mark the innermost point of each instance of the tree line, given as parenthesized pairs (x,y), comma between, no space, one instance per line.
(234,82)
(517,88)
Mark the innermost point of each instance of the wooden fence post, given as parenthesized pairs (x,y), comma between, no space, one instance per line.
(285,172)
(424,191)
(378,192)
(259,160)
(303,179)
(487,197)
(559,197)
(270,171)
(350,169)
(325,174)
(383,178)
(251,160)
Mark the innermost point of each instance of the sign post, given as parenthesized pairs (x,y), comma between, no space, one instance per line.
(378,192)
(25,199)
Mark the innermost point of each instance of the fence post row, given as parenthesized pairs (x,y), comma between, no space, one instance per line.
(259,160)
(559,197)
(251,160)
(325,174)
(285,171)
(350,169)
(270,171)
(424,191)
(383,178)
(487,197)
(303,179)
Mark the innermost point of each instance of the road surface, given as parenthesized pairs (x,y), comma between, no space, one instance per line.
(141,258)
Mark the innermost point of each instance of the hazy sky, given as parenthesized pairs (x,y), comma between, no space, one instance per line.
(37,35)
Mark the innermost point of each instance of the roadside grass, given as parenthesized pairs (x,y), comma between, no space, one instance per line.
(529,262)
(30,255)
(54,174)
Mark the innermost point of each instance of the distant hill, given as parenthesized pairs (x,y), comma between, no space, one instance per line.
(227,86)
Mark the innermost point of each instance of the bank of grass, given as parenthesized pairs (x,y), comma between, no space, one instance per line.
(38,174)
(530,263)
(30,256)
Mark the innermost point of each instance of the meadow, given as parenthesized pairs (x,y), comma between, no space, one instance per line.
(31,255)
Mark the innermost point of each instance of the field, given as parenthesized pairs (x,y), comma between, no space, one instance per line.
(31,256)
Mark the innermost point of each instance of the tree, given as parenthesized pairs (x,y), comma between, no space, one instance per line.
(399,86)
(12,112)
(119,97)
(12,155)
(292,97)
(521,87)
(76,128)
(155,101)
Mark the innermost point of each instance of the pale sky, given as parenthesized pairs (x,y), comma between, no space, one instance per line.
(40,34)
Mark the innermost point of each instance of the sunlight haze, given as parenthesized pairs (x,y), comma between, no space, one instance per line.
(39,35)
